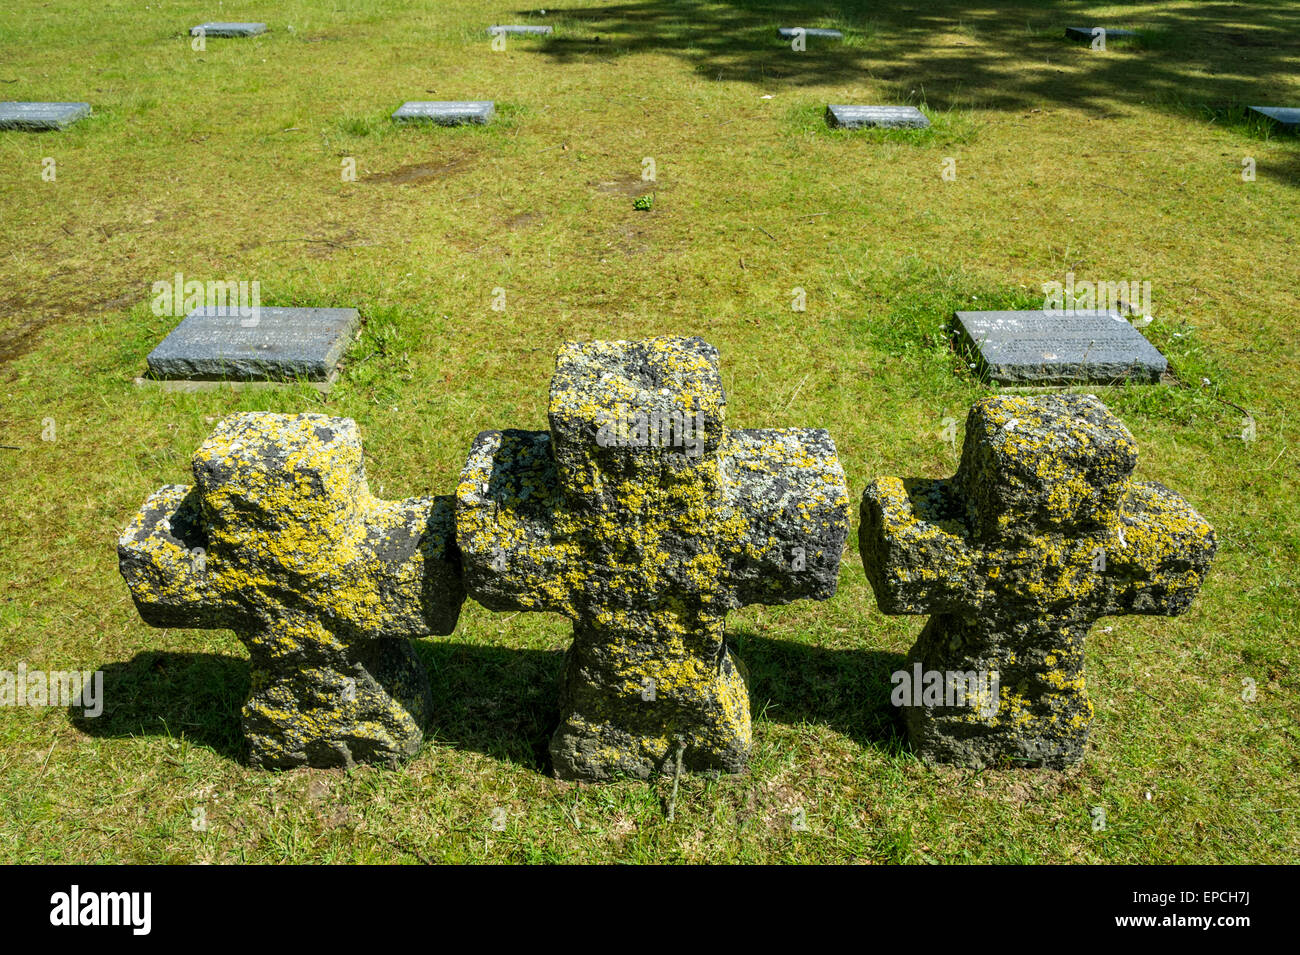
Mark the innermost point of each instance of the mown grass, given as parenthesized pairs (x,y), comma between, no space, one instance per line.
(226,164)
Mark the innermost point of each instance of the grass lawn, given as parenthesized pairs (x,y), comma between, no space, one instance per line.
(228,164)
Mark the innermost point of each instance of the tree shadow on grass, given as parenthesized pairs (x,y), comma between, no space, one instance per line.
(961,54)
(1285,171)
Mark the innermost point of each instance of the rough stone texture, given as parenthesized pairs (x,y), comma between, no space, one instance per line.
(285,344)
(520,30)
(449,113)
(38,117)
(887,117)
(646,546)
(1038,348)
(228,29)
(1288,117)
(791,32)
(1039,533)
(323,583)
(1084,34)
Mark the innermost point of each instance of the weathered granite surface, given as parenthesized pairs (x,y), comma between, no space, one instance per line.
(280,540)
(887,117)
(1040,533)
(228,29)
(519,30)
(643,518)
(1039,348)
(1287,117)
(39,117)
(446,113)
(269,344)
(791,32)
(1084,34)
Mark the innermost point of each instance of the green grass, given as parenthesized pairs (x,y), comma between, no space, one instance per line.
(1115,165)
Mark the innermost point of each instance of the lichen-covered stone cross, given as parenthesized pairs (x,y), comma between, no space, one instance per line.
(281,541)
(1038,534)
(642,518)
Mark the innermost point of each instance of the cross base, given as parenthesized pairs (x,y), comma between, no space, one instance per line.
(1041,714)
(333,709)
(629,709)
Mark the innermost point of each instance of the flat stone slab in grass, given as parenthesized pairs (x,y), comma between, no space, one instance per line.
(1083,34)
(520,30)
(888,117)
(1039,348)
(450,113)
(790,32)
(228,29)
(1288,117)
(40,116)
(284,345)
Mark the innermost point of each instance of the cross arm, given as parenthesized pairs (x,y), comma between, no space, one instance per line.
(410,567)
(1158,555)
(509,516)
(788,492)
(914,546)
(280,522)
(296,530)
(162,556)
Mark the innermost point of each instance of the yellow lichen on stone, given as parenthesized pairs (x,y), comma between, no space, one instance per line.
(647,521)
(281,540)
(1040,532)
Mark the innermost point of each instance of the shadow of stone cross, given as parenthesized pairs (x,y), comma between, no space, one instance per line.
(281,541)
(642,518)
(1039,534)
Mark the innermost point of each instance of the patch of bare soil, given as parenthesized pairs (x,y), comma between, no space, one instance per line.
(522,220)
(421,173)
(35,313)
(631,186)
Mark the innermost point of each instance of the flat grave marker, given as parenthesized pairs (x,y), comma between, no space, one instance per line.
(214,345)
(519,30)
(1085,34)
(446,112)
(37,117)
(791,32)
(885,117)
(1041,348)
(228,29)
(1288,117)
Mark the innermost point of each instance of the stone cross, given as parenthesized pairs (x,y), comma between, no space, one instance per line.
(281,541)
(642,518)
(1038,534)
